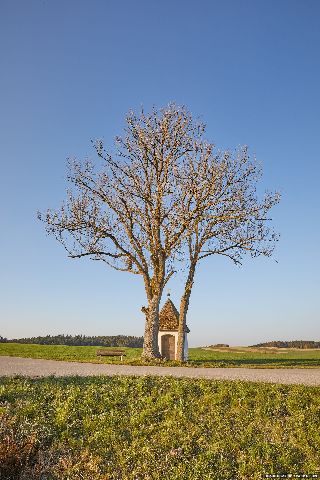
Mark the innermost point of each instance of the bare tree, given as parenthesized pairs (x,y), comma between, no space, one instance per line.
(133,211)
(232,221)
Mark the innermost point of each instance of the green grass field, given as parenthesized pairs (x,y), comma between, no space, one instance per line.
(198,357)
(124,428)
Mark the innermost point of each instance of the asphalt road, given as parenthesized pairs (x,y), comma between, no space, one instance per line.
(10,366)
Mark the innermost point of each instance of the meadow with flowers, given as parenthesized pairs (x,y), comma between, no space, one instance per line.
(130,428)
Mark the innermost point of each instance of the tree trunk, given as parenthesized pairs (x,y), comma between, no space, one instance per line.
(184,305)
(150,344)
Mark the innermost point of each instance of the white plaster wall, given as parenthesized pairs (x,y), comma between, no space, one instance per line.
(168,332)
(185,353)
(175,334)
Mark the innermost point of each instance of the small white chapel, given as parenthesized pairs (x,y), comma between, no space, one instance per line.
(168,332)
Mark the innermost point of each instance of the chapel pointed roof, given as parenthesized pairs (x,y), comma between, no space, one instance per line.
(169,317)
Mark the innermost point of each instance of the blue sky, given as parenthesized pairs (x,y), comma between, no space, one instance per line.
(70,70)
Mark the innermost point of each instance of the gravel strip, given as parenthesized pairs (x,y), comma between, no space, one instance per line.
(10,366)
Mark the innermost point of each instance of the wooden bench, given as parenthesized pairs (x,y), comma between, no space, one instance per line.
(111,353)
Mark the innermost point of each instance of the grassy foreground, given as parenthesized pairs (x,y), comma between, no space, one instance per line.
(124,428)
(198,357)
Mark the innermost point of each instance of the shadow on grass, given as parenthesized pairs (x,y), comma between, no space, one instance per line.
(276,362)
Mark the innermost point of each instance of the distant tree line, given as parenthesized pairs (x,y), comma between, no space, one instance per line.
(291,344)
(78,340)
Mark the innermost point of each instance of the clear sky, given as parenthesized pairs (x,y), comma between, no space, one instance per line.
(71,69)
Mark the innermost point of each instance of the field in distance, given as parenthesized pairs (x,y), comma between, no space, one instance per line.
(262,357)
